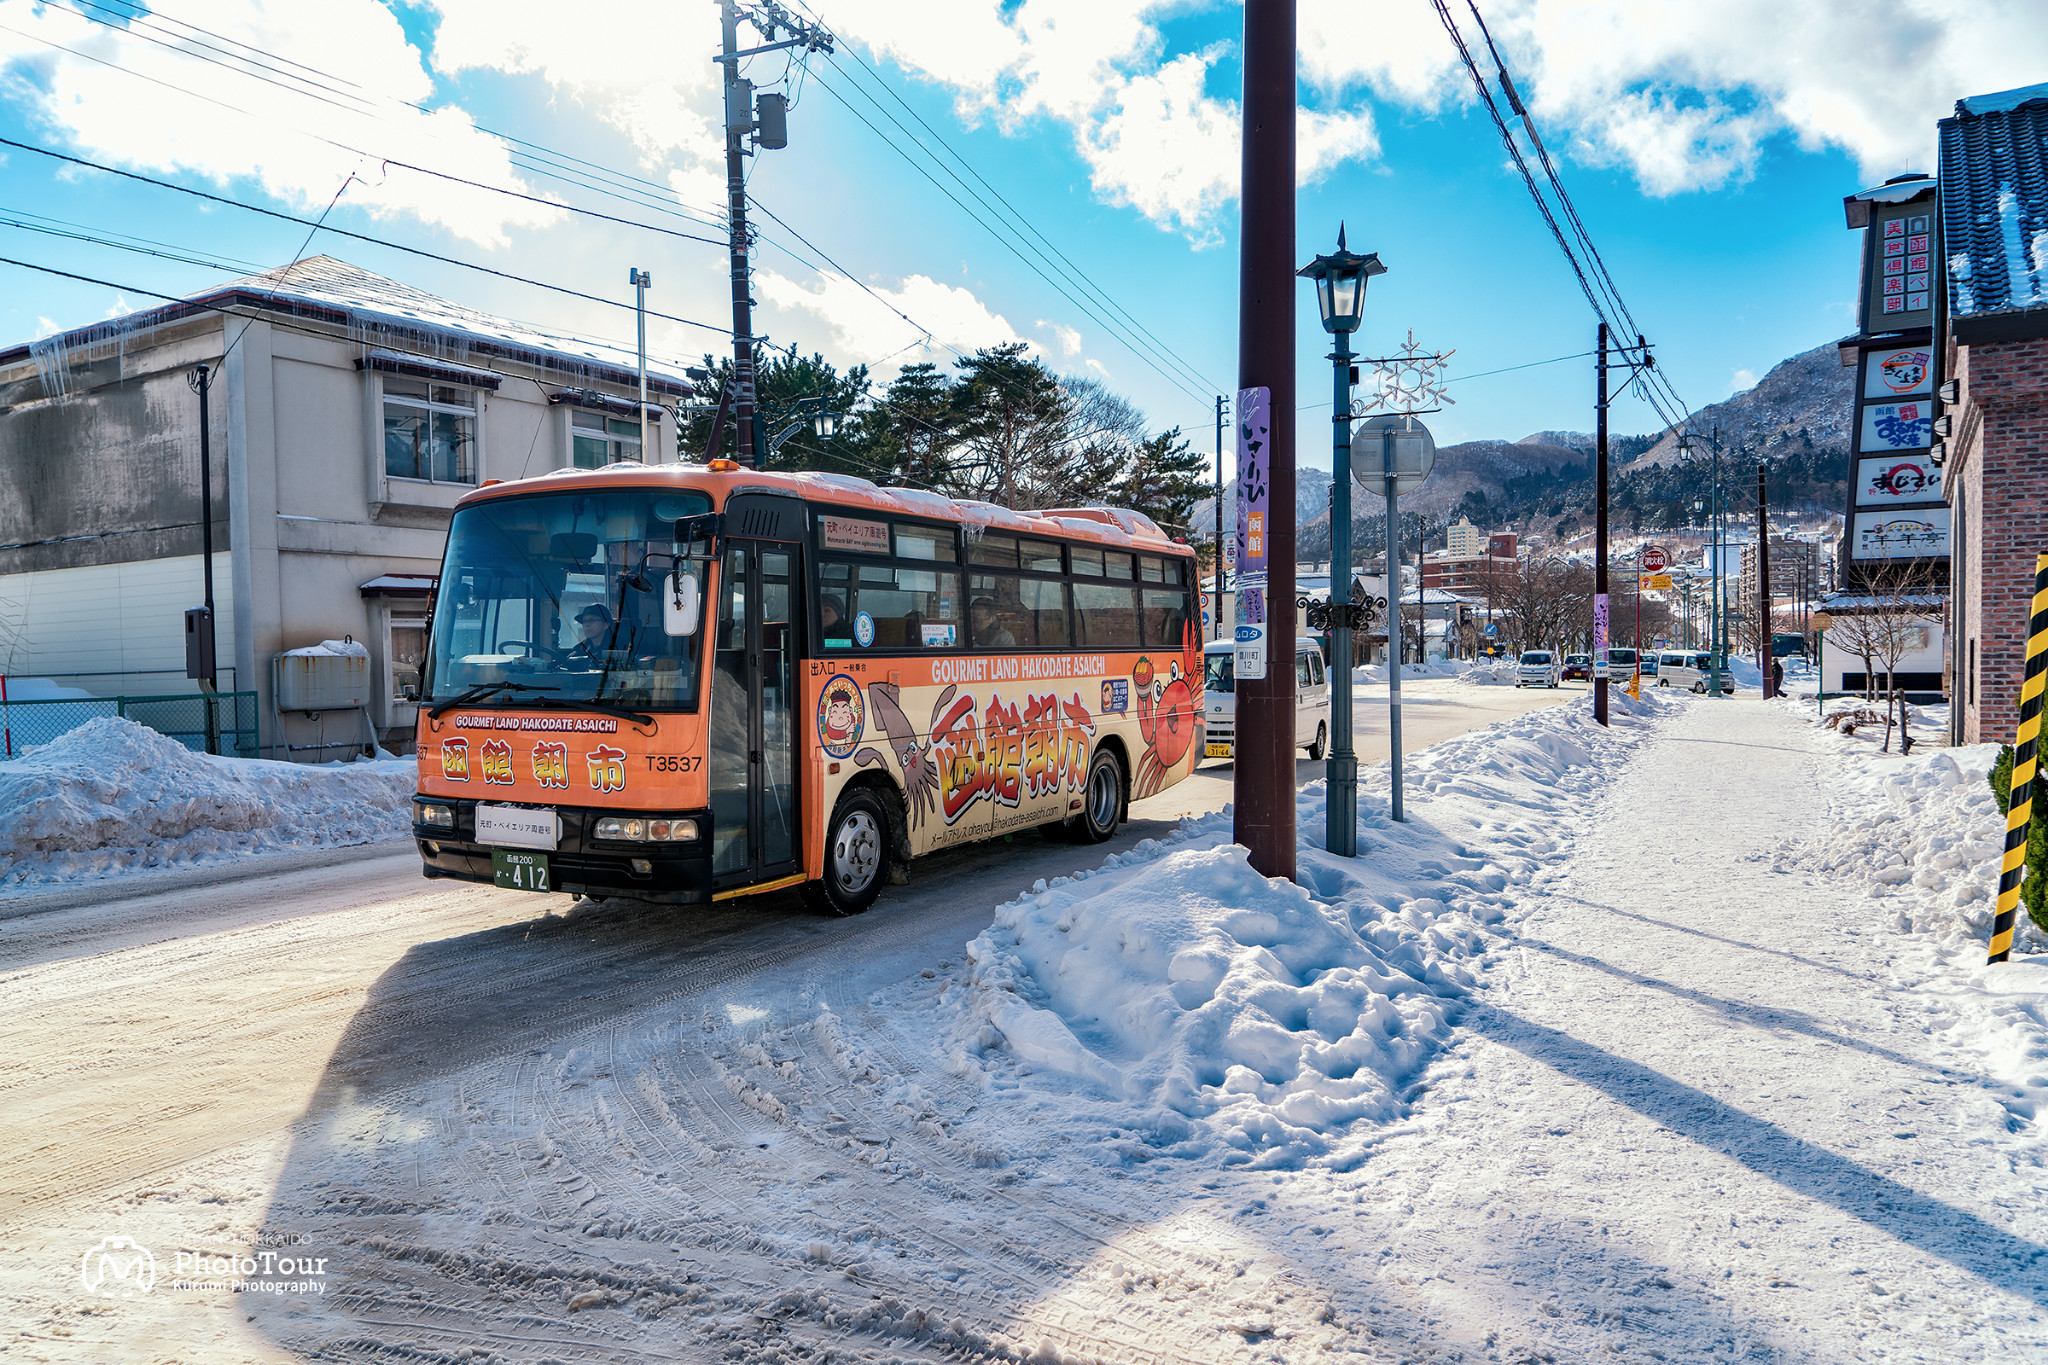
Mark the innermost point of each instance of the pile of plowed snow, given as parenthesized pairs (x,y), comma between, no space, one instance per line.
(113,795)
(1278,1022)
(1919,841)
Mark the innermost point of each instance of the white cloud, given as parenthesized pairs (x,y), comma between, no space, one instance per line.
(116,97)
(120,307)
(639,65)
(47,327)
(1687,96)
(866,331)
(1068,337)
(1740,381)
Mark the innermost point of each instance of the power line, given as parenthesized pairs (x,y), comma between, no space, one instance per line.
(357,236)
(1004,239)
(1072,270)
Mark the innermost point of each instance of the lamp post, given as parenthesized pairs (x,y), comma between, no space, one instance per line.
(1340,281)
(640,280)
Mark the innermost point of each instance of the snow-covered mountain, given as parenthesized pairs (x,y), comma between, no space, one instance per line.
(1804,400)
(1802,405)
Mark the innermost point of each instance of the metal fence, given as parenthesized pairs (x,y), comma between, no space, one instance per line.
(25,724)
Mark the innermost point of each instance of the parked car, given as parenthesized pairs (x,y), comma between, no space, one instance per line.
(1219,699)
(1621,663)
(1690,669)
(1578,667)
(1649,663)
(1537,668)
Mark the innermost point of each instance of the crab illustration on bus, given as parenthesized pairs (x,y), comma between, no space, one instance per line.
(793,680)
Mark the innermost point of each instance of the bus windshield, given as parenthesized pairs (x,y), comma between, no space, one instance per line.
(558,597)
(1218,673)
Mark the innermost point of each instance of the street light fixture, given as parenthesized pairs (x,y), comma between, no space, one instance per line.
(1340,286)
(1340,280)
(825,423)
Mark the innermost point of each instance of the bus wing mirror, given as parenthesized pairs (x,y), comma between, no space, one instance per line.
(698,537)
(682,604)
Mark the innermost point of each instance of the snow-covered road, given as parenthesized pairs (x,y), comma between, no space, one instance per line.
(1687,1114)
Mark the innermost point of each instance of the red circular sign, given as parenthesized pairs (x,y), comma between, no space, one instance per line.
(1655,560)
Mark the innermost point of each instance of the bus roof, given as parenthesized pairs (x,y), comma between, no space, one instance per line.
(1108,525)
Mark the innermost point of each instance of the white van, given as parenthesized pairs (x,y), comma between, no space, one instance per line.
(1219,699)
(1688,668)
(1538,668)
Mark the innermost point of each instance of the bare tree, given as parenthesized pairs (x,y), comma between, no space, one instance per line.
(1881,625)
(1541,606)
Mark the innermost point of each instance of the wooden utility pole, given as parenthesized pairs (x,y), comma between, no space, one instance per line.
(1266,345)
(1600,622)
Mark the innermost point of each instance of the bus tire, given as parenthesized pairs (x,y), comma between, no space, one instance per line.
(1102,800)
(856,856)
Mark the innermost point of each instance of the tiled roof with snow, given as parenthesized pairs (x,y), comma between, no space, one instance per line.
(388,317)
(1994,202)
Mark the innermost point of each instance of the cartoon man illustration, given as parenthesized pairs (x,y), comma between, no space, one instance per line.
(842,726)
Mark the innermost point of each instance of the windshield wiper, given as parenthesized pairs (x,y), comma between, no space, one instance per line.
(602,708)
(480,691)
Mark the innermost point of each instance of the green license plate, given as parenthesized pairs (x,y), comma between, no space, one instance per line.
(520,871)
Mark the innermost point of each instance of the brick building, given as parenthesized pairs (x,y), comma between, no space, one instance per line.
(1475,562)
(1994,215)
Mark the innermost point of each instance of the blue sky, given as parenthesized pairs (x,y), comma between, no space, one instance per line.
(1708,153)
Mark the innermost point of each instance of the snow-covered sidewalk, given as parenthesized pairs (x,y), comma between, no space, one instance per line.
(1698,1117)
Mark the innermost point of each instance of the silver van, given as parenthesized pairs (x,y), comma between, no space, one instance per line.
(1689,668)
(1219,699)
(1538,668)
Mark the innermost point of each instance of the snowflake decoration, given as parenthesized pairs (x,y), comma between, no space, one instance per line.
(1407,383)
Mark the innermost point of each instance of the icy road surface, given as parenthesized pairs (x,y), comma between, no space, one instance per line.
(1686,1117)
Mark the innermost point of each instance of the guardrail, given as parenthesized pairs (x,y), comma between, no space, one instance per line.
(184,717)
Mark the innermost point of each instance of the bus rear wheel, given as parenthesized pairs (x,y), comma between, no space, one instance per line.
(856,856)
(1102,800)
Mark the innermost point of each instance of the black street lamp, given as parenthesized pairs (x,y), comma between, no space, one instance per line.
(1340,280)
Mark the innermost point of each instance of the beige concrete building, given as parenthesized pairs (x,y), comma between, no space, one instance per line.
(348,413)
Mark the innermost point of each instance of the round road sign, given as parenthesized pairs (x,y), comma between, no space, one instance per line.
(1654,560)
(1414,452)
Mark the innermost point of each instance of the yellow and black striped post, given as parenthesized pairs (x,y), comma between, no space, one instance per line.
(2019,811)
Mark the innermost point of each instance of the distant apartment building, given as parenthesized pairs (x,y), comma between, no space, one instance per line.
(1463,540)
(1795,574)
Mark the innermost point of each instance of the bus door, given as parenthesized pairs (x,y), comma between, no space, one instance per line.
(752,759)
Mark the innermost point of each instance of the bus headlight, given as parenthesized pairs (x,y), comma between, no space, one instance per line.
(433,813)
(639,829)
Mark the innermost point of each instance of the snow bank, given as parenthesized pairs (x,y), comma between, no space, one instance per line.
(112,796)
(1439,668)
(1922,837)
(1273,1022)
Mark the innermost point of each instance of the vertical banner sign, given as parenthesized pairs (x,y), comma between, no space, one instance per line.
(1599,634)
(1254,492)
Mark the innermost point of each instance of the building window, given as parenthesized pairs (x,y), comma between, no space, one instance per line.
(599,440)
(407,650)
(429,431)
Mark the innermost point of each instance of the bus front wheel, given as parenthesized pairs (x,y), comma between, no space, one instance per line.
(856,856)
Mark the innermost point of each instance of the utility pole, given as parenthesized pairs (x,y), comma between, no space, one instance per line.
(739,121)
(1600,532)
(767,119)
(1766,631)
(1716,621)
(640,280)
(1216,623)
(207,663)
(1264,819)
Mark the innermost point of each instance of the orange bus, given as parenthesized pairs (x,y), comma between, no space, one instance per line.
(683,683)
